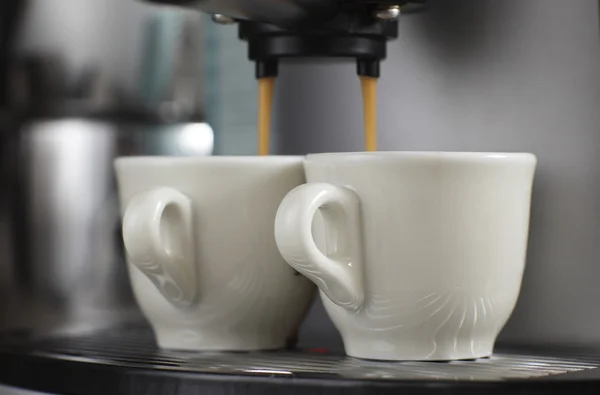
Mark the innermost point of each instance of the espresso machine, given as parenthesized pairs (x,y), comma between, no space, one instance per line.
(460,75)
(310,29)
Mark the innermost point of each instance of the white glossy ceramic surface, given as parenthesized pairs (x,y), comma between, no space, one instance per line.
(418,255)
(202,257)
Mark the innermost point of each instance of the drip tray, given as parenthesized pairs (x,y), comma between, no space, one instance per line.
(125,360)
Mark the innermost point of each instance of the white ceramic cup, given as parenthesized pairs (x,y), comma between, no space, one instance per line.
(201,253)
(417,255)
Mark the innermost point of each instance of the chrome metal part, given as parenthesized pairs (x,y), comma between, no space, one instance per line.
(390,13)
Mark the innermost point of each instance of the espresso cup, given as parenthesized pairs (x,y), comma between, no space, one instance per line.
(202,259)
(417,255)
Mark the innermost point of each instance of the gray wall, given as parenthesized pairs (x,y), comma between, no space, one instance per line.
(487,75)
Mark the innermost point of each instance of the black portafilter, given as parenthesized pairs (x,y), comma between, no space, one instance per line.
(358,37)
(359,30)
(277,29)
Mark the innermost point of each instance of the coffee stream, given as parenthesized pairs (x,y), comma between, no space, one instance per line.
(369,94)
(266,88)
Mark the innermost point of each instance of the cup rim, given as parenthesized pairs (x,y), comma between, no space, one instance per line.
(423,155)
(181,160)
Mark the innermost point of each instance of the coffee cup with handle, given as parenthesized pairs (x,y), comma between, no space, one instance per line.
(202,258)
(417,255)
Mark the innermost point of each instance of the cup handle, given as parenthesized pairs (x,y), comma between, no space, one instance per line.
(158,234)
(339,273)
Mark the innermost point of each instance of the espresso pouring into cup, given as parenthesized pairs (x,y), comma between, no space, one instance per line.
(417,255)
(202,258)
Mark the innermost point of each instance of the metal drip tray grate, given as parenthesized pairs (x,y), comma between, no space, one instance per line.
(133,350)
(500,367)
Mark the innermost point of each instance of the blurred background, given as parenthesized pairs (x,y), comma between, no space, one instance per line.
(85,81)
(82,82)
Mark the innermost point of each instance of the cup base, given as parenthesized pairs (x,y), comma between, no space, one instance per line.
(196,342)
(374,351)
